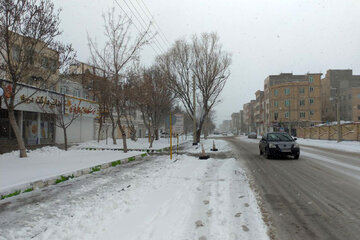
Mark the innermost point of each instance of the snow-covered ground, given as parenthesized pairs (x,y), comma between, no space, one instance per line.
(186,198)
(221,145)
(348,146)
(48,162)
(141,143)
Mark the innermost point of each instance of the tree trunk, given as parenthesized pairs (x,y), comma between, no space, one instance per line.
(65,139)
(156,134)
(113,129)
(123,134)
(17,133)
(113,133)
(198,134)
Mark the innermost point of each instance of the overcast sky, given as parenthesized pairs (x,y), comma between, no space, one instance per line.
(264,36)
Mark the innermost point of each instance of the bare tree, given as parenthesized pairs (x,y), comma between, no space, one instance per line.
(118,52)
(64,115)
(154,100)
(211,70)
(202,61)
(28,31)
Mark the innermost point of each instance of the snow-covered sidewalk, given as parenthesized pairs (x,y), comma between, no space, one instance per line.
(185,198)
(50,162)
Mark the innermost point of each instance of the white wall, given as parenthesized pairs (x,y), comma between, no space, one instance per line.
(81,130)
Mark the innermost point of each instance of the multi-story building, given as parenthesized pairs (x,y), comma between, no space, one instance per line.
(249,118)
(259,112)
(293,101)
(235,123)
(339,85)
(242,121)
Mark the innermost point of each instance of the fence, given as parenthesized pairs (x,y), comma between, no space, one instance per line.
(349,132)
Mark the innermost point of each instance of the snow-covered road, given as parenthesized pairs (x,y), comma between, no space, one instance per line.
(185,198)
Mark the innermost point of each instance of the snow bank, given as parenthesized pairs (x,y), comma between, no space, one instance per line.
(221,145)
(141,143)
(348,146)
(48,162)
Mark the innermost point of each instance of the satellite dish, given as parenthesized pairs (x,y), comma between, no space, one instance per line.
(1,92)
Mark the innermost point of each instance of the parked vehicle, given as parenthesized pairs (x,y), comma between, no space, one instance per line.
(279,144)
(252,135)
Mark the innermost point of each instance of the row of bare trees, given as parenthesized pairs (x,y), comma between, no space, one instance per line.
(200,66)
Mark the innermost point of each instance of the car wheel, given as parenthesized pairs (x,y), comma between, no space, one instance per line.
(296,156)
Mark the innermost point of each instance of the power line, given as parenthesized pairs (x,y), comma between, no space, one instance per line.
(145,24)
(153,20)
(159,47)
(135,25)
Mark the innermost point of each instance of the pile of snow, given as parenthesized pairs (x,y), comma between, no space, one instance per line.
(333,123)
(221,145)
(141,143)
(48,162)
(348,146)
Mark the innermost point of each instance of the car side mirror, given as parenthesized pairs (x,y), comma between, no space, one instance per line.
(295,138)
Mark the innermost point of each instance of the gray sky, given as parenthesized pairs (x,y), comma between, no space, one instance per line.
(264,36)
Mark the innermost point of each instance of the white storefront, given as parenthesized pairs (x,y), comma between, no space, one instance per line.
(36,117)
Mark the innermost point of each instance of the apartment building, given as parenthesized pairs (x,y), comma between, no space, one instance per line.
(293,101)
(249,118)
(235,123)
(340,86)
(259,112)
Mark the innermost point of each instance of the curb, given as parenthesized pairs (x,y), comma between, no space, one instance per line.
(69,175)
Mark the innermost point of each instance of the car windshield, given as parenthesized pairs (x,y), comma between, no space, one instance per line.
(279,137)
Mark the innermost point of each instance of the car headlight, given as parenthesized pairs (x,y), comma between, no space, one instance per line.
(296,145)
(271,145)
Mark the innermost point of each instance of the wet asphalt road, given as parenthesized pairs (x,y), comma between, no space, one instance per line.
(315,197)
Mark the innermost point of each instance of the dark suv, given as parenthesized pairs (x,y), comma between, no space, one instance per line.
(279,144)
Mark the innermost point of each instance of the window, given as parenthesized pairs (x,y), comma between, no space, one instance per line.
(287,114)
(44,62)
(287,91)
(358,117)
(358,96)
(311,100)
(359,107)
(276,103)
(76,93)
(30,56)
(311,113)
(63,90)
(302,114)
(287,103)
(301,90)
(276,92)
(15,53)
(52,65)
(311,89)
(302,102)
(311,79)
(276,116)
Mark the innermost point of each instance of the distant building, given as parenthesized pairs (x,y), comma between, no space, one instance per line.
(342,86)
(235,123)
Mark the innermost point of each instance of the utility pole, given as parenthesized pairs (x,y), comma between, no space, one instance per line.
(194,114)
(338,114)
